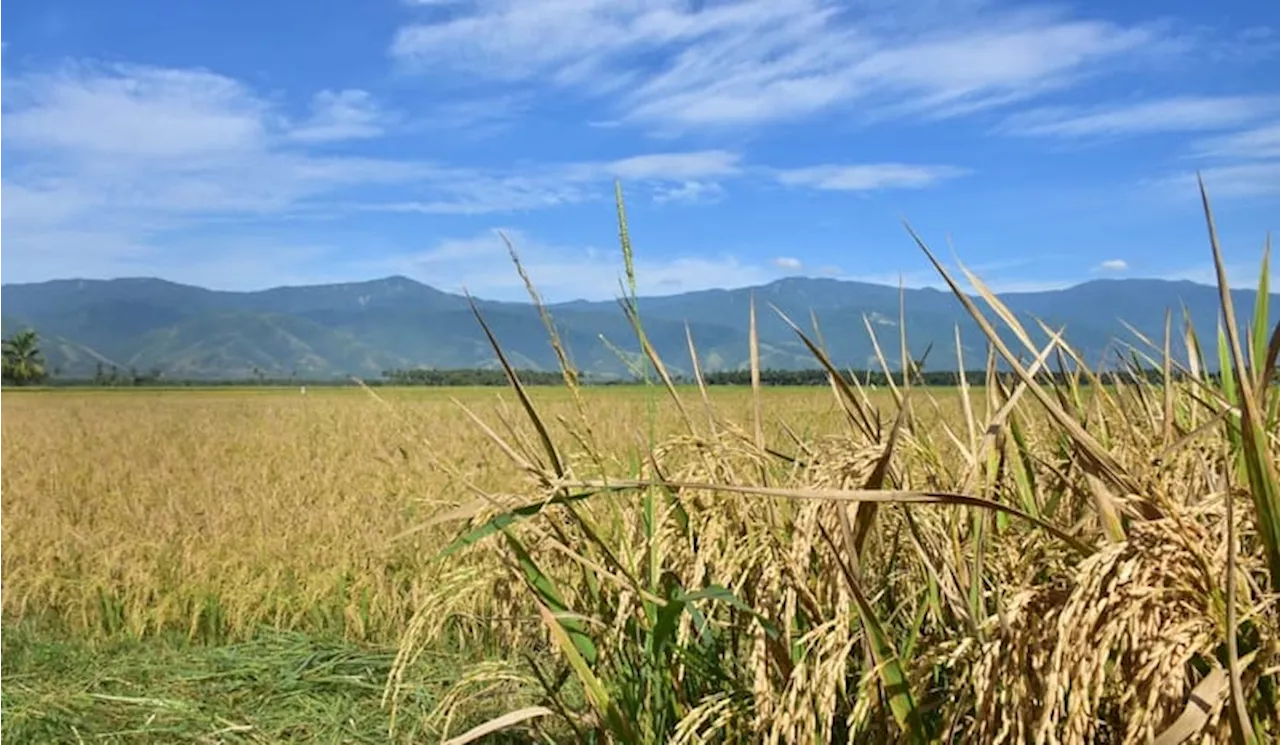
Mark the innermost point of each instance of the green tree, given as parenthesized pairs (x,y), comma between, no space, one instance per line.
(23,363)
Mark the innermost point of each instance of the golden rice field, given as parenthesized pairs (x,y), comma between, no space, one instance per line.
(218,512)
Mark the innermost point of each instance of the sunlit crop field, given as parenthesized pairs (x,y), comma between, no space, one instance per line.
(216,512)
(439,523)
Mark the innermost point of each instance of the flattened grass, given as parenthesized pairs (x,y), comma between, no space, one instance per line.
(278,687)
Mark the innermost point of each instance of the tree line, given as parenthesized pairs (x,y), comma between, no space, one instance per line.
(24,364)
(468,377)
(768,377)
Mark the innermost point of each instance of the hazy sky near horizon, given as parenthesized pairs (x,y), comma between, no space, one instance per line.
(242,145)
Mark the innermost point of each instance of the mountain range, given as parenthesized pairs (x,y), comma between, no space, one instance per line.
(364,328)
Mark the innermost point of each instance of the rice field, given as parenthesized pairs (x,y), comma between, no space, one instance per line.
(1033,560)
(216,513)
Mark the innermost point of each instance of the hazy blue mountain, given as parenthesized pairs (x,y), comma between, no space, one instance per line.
(363,328)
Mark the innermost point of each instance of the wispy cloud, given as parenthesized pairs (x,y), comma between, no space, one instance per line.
(689,192)
(688,178)
(133,111)
(471,192)
(132,140)
(1249,45)
(1239,275)
(788,263)
(1112,265)
(1257,143)
(1177,114)
(1240,180)
(869,177)
(475,117)
(922,278)
(561,273)
(671,177)
(103,160)
(112,159)
(341,115)
(670,166)
(678,63)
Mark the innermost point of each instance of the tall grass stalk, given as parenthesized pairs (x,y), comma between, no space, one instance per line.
(1009,574)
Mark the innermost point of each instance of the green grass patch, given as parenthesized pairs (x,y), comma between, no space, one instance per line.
(275,688)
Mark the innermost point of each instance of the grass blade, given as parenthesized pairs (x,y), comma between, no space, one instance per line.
(893,679)
(595,690)
(1264,482)
(521,393)
(500,723)
(547,593)
(1097,454)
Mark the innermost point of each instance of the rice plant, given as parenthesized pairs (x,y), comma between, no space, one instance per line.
(1066,561)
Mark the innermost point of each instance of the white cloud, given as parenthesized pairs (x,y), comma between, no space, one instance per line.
(107,161)
(985,60)
(789,263)
(237,261)
(689,192)
(868,177)
(922,278)
(688,178)
(61,251)
(1239,275)
(129,142)
(681,63)
(1258,143)
(133,111)
(341,115)
(673,177)
(671,166)
(1239,180)
(1177,114)
(481,264)
(1112,265)
(463,191)
(104,161)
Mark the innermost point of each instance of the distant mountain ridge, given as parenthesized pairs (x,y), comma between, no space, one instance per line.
(364,328)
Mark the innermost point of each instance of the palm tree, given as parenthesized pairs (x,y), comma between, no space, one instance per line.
(4,364)
(23,363)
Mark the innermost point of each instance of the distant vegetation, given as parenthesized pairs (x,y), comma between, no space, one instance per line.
(111,376)
(468,377)
(24,365)
(23,361)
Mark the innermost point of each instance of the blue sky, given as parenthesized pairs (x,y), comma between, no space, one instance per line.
(245,145)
